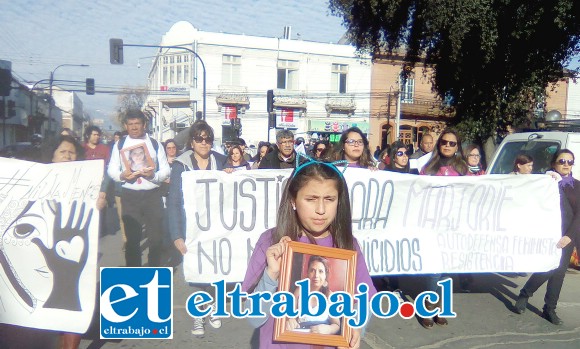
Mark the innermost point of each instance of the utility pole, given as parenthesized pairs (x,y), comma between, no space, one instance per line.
(50,83)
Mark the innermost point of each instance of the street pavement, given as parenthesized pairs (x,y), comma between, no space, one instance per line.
(484,318)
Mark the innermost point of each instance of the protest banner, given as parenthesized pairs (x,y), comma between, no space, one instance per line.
(49,243)
(405,224)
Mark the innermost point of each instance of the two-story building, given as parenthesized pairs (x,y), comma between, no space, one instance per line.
(320,89)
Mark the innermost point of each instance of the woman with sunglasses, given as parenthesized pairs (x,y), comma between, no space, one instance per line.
(447,160)
(354,148)
(320,150)
(199,157)
(399,158)
(569,187)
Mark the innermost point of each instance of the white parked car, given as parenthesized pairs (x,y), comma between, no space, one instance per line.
(541,146)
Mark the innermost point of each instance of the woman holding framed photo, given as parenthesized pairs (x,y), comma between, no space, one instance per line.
(314,209)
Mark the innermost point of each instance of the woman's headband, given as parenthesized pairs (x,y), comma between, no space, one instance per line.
(303,160)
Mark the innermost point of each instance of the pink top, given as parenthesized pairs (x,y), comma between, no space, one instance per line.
(443,171)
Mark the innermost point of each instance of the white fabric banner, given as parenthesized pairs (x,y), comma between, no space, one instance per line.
(405,224)
(48,246)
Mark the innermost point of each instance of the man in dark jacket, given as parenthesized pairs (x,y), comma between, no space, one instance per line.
(284,156)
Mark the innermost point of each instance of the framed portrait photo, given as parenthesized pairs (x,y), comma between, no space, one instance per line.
(329,270)
(137,157)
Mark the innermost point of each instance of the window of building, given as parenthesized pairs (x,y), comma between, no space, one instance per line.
(338,79)
(287,75)
(176,70)
(406,134)
(231,70)
(186,77)
(407,89)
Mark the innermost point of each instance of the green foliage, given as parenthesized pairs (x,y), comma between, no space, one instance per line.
(495,58)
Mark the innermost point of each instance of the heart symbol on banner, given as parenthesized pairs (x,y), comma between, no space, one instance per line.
(71,250)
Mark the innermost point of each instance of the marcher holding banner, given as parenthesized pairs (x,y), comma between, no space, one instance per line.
(562,163)
(68,149)
(447,160)
(399,162)
(235,160)
(200,157)
(314,209)
(65,149)
(354,148)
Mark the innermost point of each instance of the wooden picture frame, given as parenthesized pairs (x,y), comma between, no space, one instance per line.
(341,266)
(138,148)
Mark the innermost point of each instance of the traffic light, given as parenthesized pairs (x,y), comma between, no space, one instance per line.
(270,101)
(2,108)
(116,51)
(5,81)
(90,86)
(11,109)
(270,109)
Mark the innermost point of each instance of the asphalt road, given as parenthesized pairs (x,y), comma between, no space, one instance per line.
(484,320)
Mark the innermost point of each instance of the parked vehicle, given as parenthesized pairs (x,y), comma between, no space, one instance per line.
(15,150)
(541,146)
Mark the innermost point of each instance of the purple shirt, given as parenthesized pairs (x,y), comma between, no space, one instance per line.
(258,264)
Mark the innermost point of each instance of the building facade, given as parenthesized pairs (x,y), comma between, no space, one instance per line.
(23,113)
(319,89)
(69,107)
(403,109)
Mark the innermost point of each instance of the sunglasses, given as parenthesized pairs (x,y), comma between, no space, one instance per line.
(354,142)
(200,139)
(400,153)
(564,161)
(450,143)
(320,149)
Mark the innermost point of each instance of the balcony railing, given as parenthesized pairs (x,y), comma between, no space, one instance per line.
(233,95)
(289,99)
(426,108)
(340,102)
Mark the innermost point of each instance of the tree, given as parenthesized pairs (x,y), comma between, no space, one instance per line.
(493,59)
(130,98)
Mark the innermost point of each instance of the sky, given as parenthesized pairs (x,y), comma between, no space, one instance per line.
(37,36)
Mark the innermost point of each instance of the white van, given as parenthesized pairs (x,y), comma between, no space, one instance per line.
(541,146)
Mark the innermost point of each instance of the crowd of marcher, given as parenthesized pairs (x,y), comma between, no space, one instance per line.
(149,198)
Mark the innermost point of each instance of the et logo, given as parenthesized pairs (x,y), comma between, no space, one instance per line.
(136,303)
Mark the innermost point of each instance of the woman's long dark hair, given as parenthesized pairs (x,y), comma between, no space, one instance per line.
(288,223)
(456,161)
(325,289)
(393,153)
(366,159)
(231,152)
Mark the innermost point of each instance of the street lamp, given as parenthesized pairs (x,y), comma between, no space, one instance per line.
(116,52)
(51,81)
